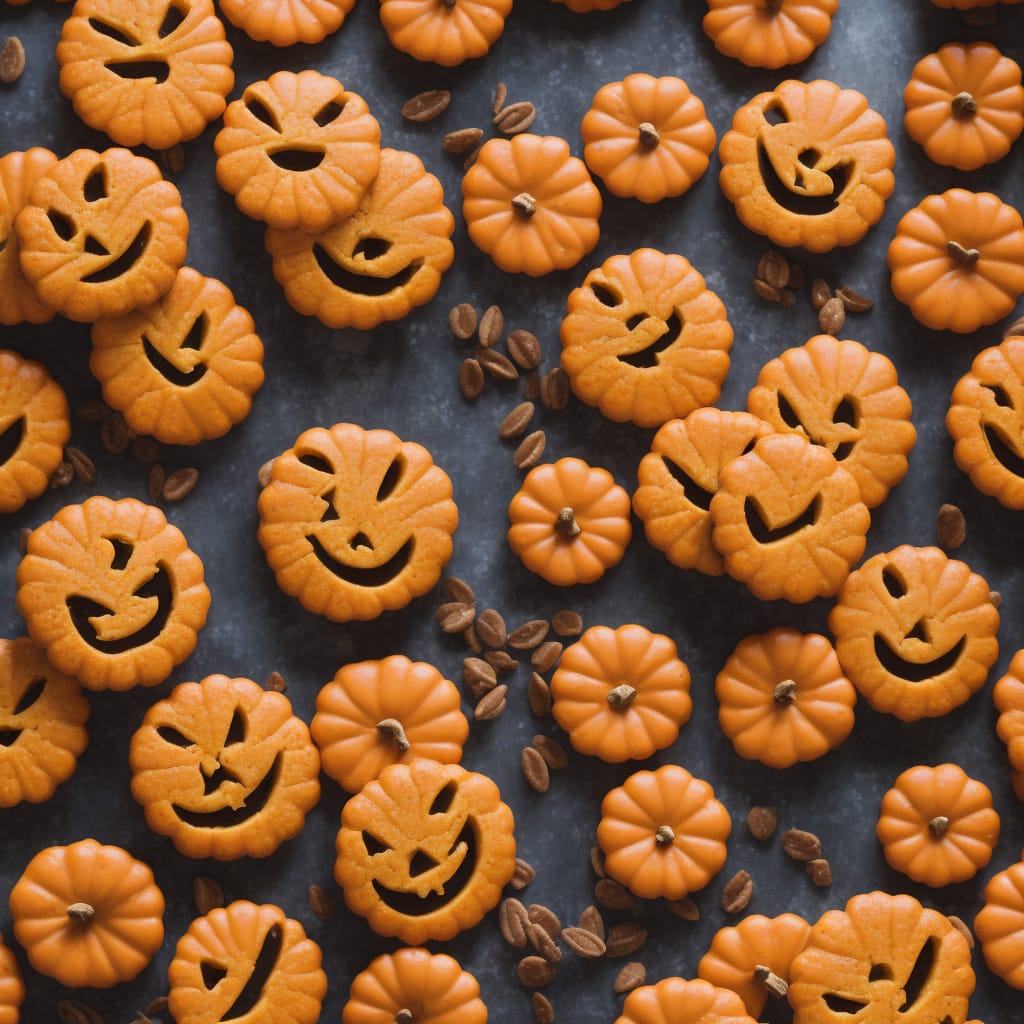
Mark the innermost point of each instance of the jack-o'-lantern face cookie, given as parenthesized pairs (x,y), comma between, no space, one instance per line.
(225,769)
(788,519)
(356,522)
(1008,697)
(986,422)
(34,427)
(298,151)
(245,962)
(151,74)
(846,398)
(183,369)
(809,164)
(101,234)
(113,592)
(645,339)
(12,991)
(915,632)
(378,264)
(42,726)
(679,476)
(425,850)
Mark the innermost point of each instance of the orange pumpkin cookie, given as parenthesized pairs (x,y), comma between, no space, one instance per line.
(34,427)
(225,769)
(42,725)
(446,33)
(958,260)
(246,962)
(424,850)
(769,33)
(88,915)
(788,519)
(986,421)
(647,138)
(376,713)
(645,339)
(674,999)
(101,234)
(1008,697)
(808,164)
(569,522)
(739,956)
(12,991)
(999,925)
(783,698)
(965,105)
(18,173)
(298,151)
(146,74)
(937,825)
(915,632)
(378,264)
(679,476)
(287,23)
(861,961)
(586,6)
(663,833)
(432,987)
(183,369)
(113,592)
(846,398)
(621,694)
(530,205)
(356,522)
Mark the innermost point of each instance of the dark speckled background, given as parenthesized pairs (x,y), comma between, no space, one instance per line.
(403,376)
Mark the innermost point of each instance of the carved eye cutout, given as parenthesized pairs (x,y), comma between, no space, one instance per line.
(236,730)
(443,801)
(11,438)
(260,111)
(605,295)
(1001,450)
(374,845)
(119,35)
(647,357)
(840,1004)
(61,225)
(329,112)
(95,187)
(33,692)
(330,512)
(775,114)
(122,553)
(1001,395)
(317,462)
(122,264)
(692,491)
(893,582)
(212,974)
(788,413)
(171,735)
(193,340)
(172,19)
(391,478)
(371,248)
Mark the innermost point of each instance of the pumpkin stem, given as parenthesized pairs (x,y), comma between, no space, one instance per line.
(524,204)
(648,134)
(785,692)
(938,826)
(777,986)
(405,1016)
(664,836)
(622,696)
(773,6)
(393,728)
(449,3)
(83,913)
(566,523)
(966,257)
(964,105)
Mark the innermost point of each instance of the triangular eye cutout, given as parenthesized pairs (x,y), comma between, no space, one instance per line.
(329,112)
(236,731)
(213,974)
(774,114)
(95,187)
(692,491)
(391,478)
(171,735)
(1002,396)
(788,413)
(261,113)
(117,34)
(443,800)
(371,248)
(330,513)
(196,333)
(920,975)
(63,227)
(846,412)
(605,295)
(893,583)
(172,19)
(32,693)
(373,844)
(10,439)
(317,462)
(122,553)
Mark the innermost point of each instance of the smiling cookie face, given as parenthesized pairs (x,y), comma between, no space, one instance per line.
(225,769)
(355,522)
(113,592)
(425,850)
(809,164)
(101,234)
(915,632)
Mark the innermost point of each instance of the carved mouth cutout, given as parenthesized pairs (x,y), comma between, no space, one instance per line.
(250,996)
(916,671)
(299,160)
(193,340)
(10,439)
(370,576)
(361,284)
(765,534)
(32,693)
(85,611)
(139,69)
(799,202)
(845,413)
(230,817)
(648,357)
(692,491)
(1002,452)
(120,264)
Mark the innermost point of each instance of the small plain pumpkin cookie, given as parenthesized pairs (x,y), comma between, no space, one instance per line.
(1008,697)
(287,22)
(769,33)
(444,33)
(999,925)
(12,990)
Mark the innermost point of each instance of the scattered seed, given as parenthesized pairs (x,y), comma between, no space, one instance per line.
(767,291)
(737,892)
(685,909)
(854,301)
(819,871)
(491,327)
(546,656)
(597,862)
(552,751)
(535,769)
(320,902)
(12,60)
(531,386)
(146,450)
(524,348)
(207,894)
(538,696)
(114,433)
(275,682)
(457,619)
(490,627)
(774,985)
(800,845)
(173,159)
(762,822)
(530,450)
(515,118)
(543,1011)
(444,610)
(461,140)
(554,389)
(454,589)
(93,411)
(500,95)
(535,972)
(567,623)
(462,321)
(592,921)
(962,928)
(501,661)
(263,474)
(23,537)
(832,317)
(471,379)
(625,937)
(584,943)
(479,676)
(613,895)
(491,704)
(82,465)
(773,269)
(70,1011)
(787,299)
(158,1005)
(155,481)
(471,158)
(950,527)
(497,364)
(180,484)
(62,475)
(529,635)
(543,943)
(545,918)
(632,976)
(995,597)
(820,293)
(523,874)
(796,277)
(516,422)
(469,635)
(512,922)
(425,106)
